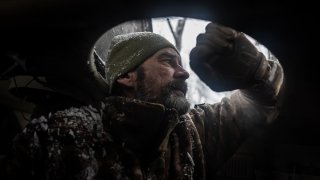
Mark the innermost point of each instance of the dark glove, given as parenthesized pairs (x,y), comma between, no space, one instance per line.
(226,60)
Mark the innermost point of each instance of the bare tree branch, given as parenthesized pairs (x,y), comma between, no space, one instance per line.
(177,34)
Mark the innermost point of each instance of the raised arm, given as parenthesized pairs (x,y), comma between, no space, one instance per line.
(226,60)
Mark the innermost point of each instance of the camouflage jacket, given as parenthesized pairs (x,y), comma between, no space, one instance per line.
(131,139)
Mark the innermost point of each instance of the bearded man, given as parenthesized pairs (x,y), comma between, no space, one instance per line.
(145,128)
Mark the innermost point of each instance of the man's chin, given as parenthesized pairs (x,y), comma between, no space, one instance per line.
(178,93)
(178,102)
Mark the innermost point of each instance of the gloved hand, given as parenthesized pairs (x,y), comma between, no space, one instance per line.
(226,60)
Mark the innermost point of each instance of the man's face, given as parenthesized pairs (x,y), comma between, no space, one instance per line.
(161,79)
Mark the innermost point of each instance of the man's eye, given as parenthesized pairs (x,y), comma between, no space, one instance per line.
(169,61)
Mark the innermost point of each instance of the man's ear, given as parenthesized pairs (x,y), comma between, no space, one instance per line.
(129,79)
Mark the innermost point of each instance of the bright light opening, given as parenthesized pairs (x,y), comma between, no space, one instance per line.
(186,29)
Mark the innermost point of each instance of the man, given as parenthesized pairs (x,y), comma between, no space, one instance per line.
(145,129)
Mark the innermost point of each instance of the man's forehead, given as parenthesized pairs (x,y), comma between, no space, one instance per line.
(164,53)
(169,52)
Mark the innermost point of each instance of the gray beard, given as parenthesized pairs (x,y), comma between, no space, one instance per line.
(181,104)
(166,97)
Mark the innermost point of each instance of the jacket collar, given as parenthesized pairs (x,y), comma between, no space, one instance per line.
(138,125)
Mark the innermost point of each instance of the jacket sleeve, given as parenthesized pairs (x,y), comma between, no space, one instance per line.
(60,146)
(224,126)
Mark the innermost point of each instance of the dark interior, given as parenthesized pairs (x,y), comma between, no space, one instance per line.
(54,39)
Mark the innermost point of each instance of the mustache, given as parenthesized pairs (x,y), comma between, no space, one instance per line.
(180,85)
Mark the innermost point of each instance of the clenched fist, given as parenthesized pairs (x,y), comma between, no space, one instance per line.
(226,60)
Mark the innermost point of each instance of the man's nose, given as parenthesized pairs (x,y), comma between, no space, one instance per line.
(181,73)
